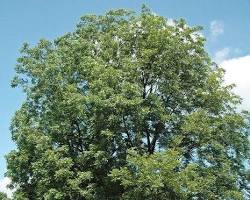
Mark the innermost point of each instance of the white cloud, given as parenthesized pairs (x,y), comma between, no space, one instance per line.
(170,22)
(222,55)
(225,54)
(3,186)
(216,28)
(238,71)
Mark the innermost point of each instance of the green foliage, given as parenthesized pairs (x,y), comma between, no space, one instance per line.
(3,196)
(126,107)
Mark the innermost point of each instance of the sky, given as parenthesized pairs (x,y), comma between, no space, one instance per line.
(226,27)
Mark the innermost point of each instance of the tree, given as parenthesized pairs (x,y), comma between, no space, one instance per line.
(126,107)
(3,196)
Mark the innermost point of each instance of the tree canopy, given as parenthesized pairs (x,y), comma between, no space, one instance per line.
(128,106)
(3,196)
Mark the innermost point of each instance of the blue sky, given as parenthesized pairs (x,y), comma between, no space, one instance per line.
(226,27)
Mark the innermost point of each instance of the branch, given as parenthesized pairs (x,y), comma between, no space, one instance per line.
(127,132)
